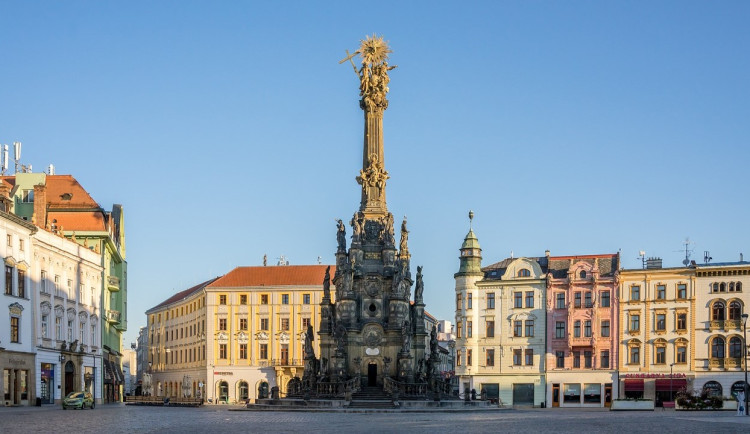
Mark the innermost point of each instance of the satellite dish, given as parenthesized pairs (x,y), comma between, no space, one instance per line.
(685,262)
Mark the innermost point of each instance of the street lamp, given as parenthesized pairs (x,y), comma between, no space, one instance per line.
(671,365)
(744,356)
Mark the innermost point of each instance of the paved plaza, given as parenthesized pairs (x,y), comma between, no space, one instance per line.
(119,418)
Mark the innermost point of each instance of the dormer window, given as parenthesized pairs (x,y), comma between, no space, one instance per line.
(66,196)
(582,274)
(524,272)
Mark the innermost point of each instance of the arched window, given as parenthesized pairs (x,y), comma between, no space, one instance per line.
(713,388)
(715,287)
(243,391)
(731,286)
(524,272)
(223,391)
(722,287)
(583,274)
(718,311)
(738,287)
(717,348)
(735,310)
(735,347)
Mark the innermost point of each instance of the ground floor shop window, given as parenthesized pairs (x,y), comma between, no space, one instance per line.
(592,393)
(634,389)
(492,390)
(713,388)
(572,394)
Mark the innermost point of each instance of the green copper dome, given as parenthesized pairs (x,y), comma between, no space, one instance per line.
(470,241)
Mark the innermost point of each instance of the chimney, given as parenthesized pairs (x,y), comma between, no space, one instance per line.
(40,205)
(5,202)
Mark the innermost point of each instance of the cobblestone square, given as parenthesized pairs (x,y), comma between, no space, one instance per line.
(119,418)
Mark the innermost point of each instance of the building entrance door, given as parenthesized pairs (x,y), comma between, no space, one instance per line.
(608,395)
(372,374)
(70,372)
(523,394)
(555,395)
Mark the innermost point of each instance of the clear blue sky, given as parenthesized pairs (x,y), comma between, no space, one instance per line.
(229,130)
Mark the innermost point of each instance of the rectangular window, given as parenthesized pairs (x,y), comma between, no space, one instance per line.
(560,359)
(243,323)
(45,325)
(681,321)
(635,293)
(243,351)
(20,245)
(560,300)
(635,323)
(517,299)
(58,328)
(285,324)
(284,298)
(264,299)
(587,328)
(490,357)
(587,359)
(81,331)
(468,357)
(305,298)
(517,328)
(243,298)
(605,328)
(8,280)
(529,328)
(222,323)
(560,330)
(43,282)
(587,299)
(661,355)
(458,357)
(681,354)
(458,301)
(605,299)
(222,299)
(604,358)
(70,331)
(468,329)
(577,300)
(529,357)
(661,292)
(263,351)
(661,321)
(93,335)
(14,332)
(577,329)
(222,351)
(305,323)
(9,239)
(576,359)
(459,329)
(635,355)
(682,291)
(529,298)
(469,300)
(490,300)
(517,357)
(27,196)
(21,283)
(490,329)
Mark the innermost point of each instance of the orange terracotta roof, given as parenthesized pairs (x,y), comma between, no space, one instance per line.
(10,180)
(59,186)
(78,221)
(283,275)
(183,294)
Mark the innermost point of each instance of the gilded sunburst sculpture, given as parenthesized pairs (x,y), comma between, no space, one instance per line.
(374,50)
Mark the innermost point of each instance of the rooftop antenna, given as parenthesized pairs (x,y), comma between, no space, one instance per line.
(4,159)
(642,257)
(688,251)
(17,153)
(320,260)
(51,169)
(707,256)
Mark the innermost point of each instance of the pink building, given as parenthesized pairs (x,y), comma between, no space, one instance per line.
(582,330)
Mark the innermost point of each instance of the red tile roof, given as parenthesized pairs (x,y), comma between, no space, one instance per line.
(282,275)
(183,294)
(78,221)
(60,185)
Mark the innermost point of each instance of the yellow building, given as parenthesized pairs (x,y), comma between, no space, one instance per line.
(256,320)
(177,344)
(657,333)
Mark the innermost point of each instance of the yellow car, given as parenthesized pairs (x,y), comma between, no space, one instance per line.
(79,400)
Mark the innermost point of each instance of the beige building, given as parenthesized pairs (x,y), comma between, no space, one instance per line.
(657,336)
(256,318)
(721,299)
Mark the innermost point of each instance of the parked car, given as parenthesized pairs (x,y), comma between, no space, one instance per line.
(79,400)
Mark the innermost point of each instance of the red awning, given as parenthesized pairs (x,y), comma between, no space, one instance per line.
(634,385)
(663,385)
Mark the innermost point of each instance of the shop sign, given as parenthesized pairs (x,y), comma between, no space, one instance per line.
(223,373)
(737,388)
(653,376)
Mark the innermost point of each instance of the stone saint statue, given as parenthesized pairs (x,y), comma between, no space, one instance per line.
(327,283)
(357,224)
(403,247)
(433,342)
(419,287)
(340,334)
(309,337)
(406,337)
(341,236)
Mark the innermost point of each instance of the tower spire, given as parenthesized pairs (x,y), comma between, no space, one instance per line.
(373,87)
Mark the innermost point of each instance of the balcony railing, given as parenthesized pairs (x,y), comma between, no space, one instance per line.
(733,362)
(714,363)
(286,362)
(113,316)
(732,324)
(716,325)
(113,283)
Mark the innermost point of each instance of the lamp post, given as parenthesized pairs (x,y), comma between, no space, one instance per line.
(744,356)
(671,366)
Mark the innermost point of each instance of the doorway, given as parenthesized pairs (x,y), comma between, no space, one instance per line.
(555,395)
(372,374)
(608,395)
(523,394)
(70,372)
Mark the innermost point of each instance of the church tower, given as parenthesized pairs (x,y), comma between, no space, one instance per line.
(371,332)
